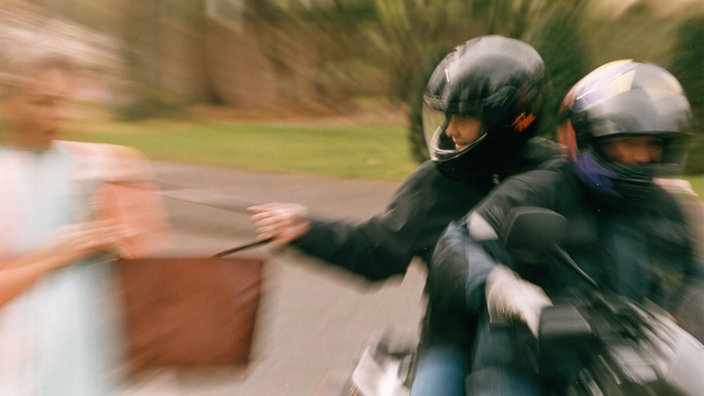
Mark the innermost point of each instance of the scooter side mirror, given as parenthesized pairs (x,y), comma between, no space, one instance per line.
(534,234)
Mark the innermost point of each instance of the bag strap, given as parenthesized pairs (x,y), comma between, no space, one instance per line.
(242,247)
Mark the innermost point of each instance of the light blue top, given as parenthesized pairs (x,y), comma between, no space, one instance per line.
(61,336)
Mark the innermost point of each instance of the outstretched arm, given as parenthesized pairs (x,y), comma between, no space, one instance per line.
(69,244)
(371,249)
(383,245)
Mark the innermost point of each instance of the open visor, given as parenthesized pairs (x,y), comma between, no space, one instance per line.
(440,146)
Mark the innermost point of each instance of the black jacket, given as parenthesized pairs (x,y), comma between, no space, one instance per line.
(421,209)
(384,245)
(594,238)
(643,252)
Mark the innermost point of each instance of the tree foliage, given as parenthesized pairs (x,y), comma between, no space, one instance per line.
(413,36)
(320,43)
(442,27)
(567,59)
(328,53)
(688,67)
(146,37)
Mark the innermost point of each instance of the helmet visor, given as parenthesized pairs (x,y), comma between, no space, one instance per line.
(667,152)
(441,145)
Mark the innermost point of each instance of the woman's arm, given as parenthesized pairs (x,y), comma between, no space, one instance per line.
(70,244)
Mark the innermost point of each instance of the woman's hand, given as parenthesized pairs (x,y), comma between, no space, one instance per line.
(69,244)
(284,222)
(77,241)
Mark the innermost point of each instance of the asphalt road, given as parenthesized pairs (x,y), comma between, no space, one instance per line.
(314,320)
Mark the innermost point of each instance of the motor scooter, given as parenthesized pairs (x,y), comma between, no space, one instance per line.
(384,368)
(590,342)
(593,342)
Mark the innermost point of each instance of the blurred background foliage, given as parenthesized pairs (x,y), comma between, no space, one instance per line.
(323,57)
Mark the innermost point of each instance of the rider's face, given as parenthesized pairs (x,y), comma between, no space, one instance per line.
(633,150)
(463,130)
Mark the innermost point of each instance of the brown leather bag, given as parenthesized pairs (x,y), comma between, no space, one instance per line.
(190,311)
(179,311)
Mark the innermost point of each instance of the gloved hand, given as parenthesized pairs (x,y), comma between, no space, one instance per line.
(510,297)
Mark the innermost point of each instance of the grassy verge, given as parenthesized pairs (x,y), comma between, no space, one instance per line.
(371,151)
(697,184)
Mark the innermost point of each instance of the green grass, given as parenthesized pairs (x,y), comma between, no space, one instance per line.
(373,151)
(697,184)
(370,151)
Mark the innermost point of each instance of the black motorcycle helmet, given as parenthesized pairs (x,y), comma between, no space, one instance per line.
(625,98)
(499,80)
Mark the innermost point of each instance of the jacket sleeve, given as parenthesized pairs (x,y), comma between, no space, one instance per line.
(370,249)
(385,244)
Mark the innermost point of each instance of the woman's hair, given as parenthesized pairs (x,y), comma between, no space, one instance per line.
(19,62)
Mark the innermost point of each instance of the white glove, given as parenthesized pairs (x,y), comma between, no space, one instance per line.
(510,297)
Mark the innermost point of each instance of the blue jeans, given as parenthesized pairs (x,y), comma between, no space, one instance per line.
(441,371)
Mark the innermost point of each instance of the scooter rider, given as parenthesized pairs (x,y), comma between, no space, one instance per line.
(482,109)
(625,124)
